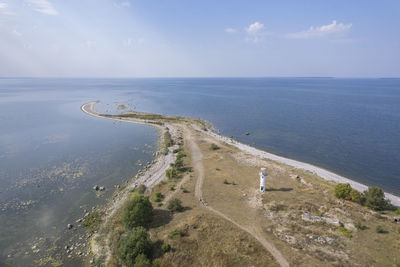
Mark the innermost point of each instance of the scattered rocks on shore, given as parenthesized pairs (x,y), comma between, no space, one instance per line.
(99,188)
(311,218)
(70,226)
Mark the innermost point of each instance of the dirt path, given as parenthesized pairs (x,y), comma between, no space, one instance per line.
(197,157)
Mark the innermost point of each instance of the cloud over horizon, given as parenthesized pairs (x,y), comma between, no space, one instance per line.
(321,31)
(44,7)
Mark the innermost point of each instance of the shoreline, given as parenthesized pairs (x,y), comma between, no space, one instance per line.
(320,172)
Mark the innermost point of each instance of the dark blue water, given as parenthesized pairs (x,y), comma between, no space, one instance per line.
(349,126)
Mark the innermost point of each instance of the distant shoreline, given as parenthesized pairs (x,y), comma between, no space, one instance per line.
(322,173)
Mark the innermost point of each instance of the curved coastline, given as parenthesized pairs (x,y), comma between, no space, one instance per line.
(323,173)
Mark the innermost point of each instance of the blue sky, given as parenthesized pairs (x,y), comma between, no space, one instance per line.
(191,38)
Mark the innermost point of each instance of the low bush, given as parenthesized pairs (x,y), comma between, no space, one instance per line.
(397,211)
(379,229)
(343,191)
(172,187)
(140,189)
(226,181)
(355,196)
(142,261)
(165,247)
(132,244)
(214,147)
(374,198)
(360,226)
(175,205)
(137,212)
(171,173)
(158,197)
(345,232)
(174,234)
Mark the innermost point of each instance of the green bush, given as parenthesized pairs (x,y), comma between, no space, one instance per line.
(140,189)
(166,247)
(343,191)
(214,147)
(175,205)
(174,234)
(132,244)
(379,229)
(158,197)
(345,232)
(171,173)
(360,226)
(397,211)
(172,187)
(142,261)
(92,222)
(137,212)
(375,199)
(355,196)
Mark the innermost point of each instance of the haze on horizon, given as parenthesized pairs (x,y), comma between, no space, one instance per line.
(127,38)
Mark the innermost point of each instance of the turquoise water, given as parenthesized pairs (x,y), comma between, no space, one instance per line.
(349,126)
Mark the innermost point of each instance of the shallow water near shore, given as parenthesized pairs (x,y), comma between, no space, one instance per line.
(52,154)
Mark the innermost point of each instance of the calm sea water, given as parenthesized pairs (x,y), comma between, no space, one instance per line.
(349,126)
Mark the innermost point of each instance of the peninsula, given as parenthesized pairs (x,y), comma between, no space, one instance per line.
(209,209)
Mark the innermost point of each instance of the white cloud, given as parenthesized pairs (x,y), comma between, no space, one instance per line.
(17,33)
(90,44)
(320,31)
(44,6)
(125,4)
(3,5)
(255,28)
(230,30)
(255,32)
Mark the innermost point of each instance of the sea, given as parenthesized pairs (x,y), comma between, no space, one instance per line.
(52,154)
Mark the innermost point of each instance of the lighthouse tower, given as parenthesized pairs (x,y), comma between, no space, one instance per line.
(263,179)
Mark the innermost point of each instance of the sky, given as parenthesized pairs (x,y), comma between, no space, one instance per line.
(192,38)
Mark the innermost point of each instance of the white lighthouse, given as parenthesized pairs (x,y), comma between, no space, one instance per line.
(263,179)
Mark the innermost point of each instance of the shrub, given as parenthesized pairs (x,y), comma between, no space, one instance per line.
(171,173)
(345,232)
(175,205)
(165,247)
(141,189)
(226,181)
(375,199)
(343,191)
(397,211)
(137,212)
(158,197)
(175,234)
(214,147)
(92,222)
(172,187)
(131,245)
(379,229)
(355,196)
(142,261)
(360,226)
(184,190)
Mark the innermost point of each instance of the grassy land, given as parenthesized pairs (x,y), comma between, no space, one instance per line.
(198,237)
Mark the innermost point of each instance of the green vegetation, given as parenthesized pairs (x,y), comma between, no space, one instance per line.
(184,190)
(137,212)
(360,226)
(175,205)
(165,247)
(92,222)
(172,187)
(343,191)
(345,232)
(175,234)
(133,244)
(158,197)
(379,229)
(142,261)
(374,198)
(355,196)
(171,173)
(214,147)
(140,189)
(397,211)
(226,181)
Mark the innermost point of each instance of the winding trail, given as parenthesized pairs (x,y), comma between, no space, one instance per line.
(197,158)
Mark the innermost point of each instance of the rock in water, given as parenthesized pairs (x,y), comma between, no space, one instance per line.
(70,226)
